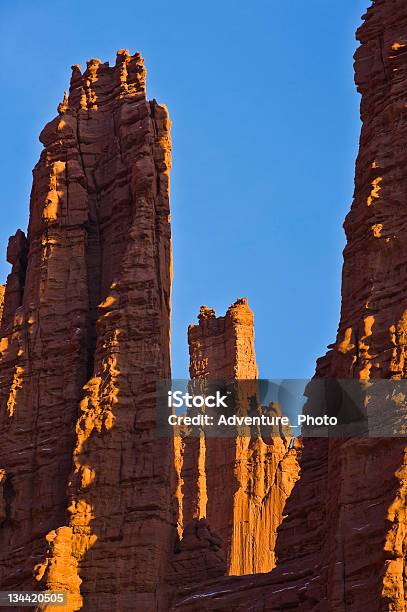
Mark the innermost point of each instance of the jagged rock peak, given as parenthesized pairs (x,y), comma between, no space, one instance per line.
(100,82)
(85,335)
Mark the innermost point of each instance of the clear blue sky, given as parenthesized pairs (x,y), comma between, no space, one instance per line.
(265,129)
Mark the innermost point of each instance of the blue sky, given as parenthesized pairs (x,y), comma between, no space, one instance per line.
(265,130)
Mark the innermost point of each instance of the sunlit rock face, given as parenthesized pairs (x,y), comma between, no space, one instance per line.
(239,484)
(342,545)
(91,501)
(85,487)
(2,290)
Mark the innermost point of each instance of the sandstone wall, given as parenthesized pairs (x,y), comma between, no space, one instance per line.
(89,497)
(86,489)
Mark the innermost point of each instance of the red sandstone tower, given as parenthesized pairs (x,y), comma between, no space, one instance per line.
(239,484)
(85,486)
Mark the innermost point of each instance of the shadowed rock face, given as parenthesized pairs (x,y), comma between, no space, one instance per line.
(85,488)
(342,546)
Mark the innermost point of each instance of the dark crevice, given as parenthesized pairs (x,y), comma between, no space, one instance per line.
(8,495)
(93,259)
(94,265)
(152,105)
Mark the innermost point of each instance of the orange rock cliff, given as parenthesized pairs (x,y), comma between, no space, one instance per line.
(92,502)
(85,487)
(90,499)
(342,544)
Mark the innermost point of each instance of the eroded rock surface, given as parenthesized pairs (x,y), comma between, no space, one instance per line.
(88,495)
(85,487)
(239,484)
(198,556)
(342,546)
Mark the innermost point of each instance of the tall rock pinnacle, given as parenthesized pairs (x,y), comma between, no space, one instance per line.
(239,484)
(342,545)
(85,489)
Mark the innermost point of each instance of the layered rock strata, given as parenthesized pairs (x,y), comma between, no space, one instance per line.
(85,487)
(239,484)
(343,544)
